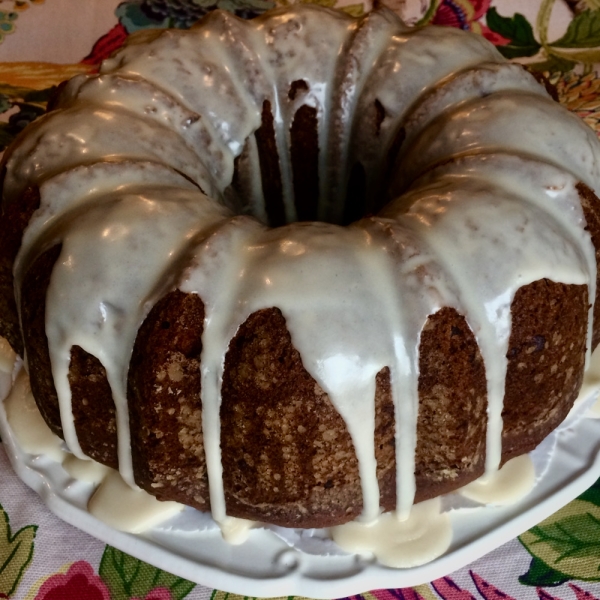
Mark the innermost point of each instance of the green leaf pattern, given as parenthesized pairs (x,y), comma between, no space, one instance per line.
(128,577)
(518,30)
(583,31)
(567,543)
(540,575)
(16,552)
(579,44)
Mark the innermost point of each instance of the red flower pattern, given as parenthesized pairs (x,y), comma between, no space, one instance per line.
(487,590)
(78,583)
(81,583)
(106,45)
(458,13)
(581,594)
(397,594)
(465,14)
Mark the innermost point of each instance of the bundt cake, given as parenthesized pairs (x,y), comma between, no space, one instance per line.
(302,268)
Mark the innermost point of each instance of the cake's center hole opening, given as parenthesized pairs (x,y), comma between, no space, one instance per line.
(294,180)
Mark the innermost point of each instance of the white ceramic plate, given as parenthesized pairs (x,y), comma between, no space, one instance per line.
(266,566)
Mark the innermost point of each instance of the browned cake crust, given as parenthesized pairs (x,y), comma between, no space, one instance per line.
(287,456)
(591,210)
(93,408)
(269,167)
(452,417)
(546,358)
(304,154)
(385,436)
(33,312)
(14,219)
(165,408)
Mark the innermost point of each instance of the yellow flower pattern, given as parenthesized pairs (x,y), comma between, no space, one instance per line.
(38,76)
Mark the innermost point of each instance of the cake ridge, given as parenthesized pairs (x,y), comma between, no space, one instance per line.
(578,153)
(364,49)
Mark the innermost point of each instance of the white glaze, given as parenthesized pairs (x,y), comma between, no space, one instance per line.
(496,257)
(114,502)
(89,471)
(30,429)
(481,124)
(118,505)
(591,383)
(236,531)
(112,263)
(190,100)
(507,485)
(401,544)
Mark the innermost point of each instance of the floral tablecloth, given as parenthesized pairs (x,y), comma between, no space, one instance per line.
(43,42)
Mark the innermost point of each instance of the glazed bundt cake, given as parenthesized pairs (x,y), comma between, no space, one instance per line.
(302,268)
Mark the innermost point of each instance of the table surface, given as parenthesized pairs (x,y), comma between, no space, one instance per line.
(43,42)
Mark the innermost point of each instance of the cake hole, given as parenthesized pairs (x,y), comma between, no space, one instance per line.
(297,86)
(397,144)
(292,186)
(388,177)
(305,162)
(269,168)
(356,197)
